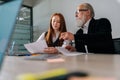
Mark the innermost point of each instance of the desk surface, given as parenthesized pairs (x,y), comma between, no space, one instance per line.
(94,64)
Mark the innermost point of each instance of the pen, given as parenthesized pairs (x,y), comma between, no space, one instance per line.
(28,54)
(86,49)
(23,54)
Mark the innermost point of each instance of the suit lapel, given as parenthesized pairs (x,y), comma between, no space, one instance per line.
(91,26)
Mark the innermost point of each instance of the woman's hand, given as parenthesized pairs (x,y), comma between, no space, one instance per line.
(70,48)
(50,50)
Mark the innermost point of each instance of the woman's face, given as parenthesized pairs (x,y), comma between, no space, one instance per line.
(56,22)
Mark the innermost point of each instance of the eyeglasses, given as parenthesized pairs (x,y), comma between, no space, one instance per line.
(81,10)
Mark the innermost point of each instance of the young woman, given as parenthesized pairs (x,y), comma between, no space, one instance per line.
(57,26)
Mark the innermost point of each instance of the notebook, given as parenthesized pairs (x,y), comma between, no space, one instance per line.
(8,13)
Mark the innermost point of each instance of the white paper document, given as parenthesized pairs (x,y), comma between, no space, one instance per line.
(68,53)
(36,47)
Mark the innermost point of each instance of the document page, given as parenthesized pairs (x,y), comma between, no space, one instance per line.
(36,47)
(68,53)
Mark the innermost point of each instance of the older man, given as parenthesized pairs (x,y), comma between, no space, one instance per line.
(94,34)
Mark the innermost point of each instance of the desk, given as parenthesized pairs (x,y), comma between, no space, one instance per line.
(94,64)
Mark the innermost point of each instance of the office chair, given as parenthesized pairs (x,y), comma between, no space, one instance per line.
(117,45)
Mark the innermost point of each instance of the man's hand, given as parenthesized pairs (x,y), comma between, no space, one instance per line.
(67,36)
(70,48)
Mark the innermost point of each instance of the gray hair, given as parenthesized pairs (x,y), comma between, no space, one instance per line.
(89,7)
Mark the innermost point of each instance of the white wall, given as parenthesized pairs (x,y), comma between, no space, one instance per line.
(43,9)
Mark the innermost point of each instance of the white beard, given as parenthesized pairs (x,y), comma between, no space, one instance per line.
(80,22)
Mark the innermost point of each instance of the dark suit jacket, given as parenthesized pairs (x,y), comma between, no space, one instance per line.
(98,39)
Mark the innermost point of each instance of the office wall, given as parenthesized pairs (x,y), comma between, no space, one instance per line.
(43,9)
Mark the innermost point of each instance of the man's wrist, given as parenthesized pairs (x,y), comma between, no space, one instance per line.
(73,43)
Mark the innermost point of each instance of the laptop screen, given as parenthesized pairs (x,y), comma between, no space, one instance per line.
(8,13)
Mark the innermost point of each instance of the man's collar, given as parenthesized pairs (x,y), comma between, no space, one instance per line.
(87,23)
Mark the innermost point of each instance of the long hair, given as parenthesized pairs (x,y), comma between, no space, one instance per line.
(50,31)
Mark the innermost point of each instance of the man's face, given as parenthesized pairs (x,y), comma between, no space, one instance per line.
(81,15)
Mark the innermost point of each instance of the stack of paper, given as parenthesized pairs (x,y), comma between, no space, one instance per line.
(68,53)
(36,47)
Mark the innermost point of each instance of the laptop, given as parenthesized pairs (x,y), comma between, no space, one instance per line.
(8,13)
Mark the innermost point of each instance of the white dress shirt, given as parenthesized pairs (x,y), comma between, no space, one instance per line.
(42,37)
(85,28)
